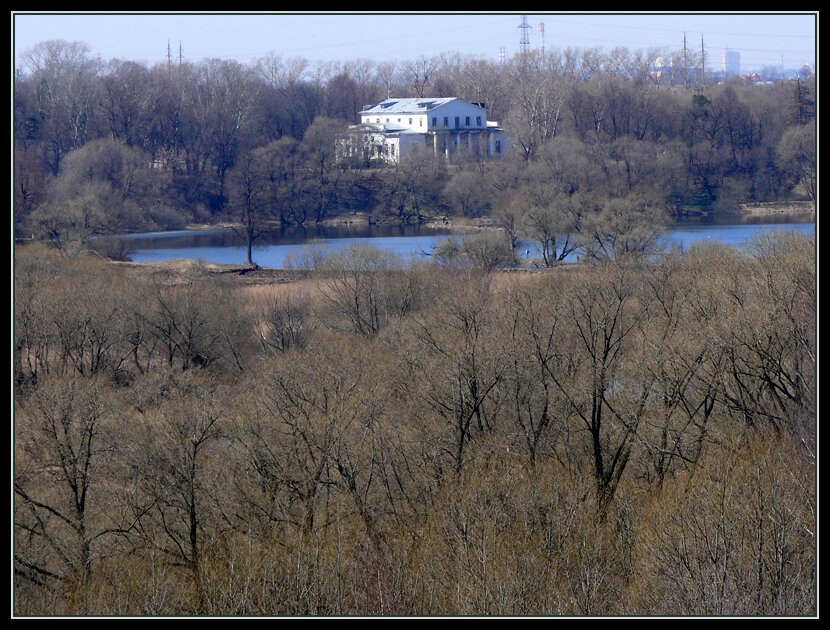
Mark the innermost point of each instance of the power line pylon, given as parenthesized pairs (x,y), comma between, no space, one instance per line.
(524,37)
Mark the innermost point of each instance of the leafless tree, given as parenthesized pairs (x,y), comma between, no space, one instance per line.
(178,478)
(65,512)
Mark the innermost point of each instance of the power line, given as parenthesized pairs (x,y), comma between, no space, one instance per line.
(373,40)
(677,30)
(607,41)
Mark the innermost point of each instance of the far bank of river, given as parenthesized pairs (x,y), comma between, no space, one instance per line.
(276,248)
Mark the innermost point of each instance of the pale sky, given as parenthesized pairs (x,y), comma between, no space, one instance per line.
(760,38)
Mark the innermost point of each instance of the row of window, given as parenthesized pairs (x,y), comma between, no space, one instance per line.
(380,149)
(420,121)
(446,121)
(457,121)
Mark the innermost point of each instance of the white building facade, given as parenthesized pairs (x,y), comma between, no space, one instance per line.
(391,128)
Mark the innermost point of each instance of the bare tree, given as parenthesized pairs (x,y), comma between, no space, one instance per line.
(178,478)
(628,226)
(364,287)
(65,97)
(456,369)
(285,321)
(419,74)
(599,372)
(65,514)
(249,199)
(796,155)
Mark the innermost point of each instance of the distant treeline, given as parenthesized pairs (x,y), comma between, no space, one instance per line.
(118,146)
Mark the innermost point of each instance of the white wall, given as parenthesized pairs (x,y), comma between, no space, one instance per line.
(461,109)
(418,122)
(456,118)
(424,121)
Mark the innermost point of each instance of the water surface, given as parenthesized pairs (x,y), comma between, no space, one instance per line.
(225,246)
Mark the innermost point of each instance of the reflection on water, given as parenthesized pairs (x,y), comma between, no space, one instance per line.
(684,235)
(225,246)
(221,237)
(747,219)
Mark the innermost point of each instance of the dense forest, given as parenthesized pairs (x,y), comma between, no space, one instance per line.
(599,138)
(365,438)
(633,434)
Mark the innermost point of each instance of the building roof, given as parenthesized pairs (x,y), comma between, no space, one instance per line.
(386,128)
(408,105)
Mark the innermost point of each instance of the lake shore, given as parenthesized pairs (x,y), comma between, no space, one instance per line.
(777,209)
(441,222)
(171,272)
(183,256)
(176,272)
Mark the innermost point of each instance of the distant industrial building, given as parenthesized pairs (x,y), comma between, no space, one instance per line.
(731,63)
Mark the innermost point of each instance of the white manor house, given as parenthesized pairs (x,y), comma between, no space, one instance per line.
(446,125)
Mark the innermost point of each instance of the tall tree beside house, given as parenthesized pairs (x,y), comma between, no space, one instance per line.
(281,161)
(321,162)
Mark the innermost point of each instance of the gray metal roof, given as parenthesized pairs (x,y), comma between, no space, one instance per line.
(407,105)
(386,129)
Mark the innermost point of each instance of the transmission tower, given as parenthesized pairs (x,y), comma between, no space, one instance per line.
(542,50)
(524,37)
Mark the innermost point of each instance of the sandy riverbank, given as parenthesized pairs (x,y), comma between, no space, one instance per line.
(452,224)
(178,271)
(776,208)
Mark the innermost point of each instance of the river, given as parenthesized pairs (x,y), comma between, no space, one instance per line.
(224,246)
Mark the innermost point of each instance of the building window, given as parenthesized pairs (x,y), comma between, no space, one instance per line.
(498,147)
(421,122)
(378,120)
(446,121)
(410,121)
(467,121)
(478,121)
(434,121)
(457,121)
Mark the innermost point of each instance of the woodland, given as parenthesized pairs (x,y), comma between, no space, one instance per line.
(631,437)
(599,139)
(634,434)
